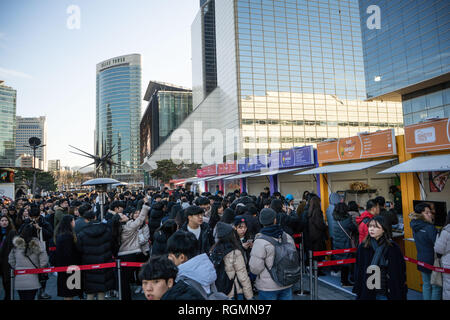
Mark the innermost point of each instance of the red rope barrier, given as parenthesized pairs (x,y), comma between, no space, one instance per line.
(335,262)
(330,252)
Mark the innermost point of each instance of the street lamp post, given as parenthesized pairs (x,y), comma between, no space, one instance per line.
(35,143)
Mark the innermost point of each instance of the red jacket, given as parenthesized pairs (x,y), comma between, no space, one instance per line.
(362,227)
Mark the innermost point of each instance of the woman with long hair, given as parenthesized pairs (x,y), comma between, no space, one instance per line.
(7,234)
(28,253)
(317,228)
(216,214)
(381,259)
(228,249)
(66,254)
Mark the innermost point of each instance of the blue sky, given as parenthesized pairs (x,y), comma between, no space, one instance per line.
(52,67)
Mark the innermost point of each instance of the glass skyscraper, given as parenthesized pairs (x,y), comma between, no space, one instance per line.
(169,105)
(118,112)
(7,125)
(408,57)
(289,73)
(301,74)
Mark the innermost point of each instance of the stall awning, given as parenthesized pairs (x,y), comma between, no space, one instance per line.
(242,175)
(422,164)
(219,177)
(277,171)
(196,180)
(346,167)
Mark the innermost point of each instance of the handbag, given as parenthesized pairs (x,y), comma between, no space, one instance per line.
(352,241)
(42,276)
(436,277)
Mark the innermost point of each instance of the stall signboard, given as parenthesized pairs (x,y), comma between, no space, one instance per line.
(296,157)
(227,168)
(362,146)
(254,163)
(207,171)
(428,136)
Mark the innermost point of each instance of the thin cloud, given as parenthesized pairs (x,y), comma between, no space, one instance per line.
(13,73)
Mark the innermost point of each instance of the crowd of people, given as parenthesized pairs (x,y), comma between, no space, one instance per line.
(210,246)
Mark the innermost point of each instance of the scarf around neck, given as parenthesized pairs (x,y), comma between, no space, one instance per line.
(379,258)
(272,231)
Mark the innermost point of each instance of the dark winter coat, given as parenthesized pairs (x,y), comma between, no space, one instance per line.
(317,231)
(66,254)
(341,240)
(206,239)
(182,291)
(290,223)
(156,215)
(5,249)
(424,234)
(94,243)
(159,243)
(396,271)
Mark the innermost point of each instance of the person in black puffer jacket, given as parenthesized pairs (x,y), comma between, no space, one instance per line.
(156,215)
(161,235)
(95,244)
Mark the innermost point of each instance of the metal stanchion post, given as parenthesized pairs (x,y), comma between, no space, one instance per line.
(311,288)
(316,295)
(119,277)
(12,284)
(301,267)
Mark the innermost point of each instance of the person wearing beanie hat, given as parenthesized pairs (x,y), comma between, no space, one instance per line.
(228,216)
(267,217)
(199,228)
(262,258)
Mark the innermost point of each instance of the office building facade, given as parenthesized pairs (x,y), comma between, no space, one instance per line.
(7,125)
(118,113)
(27,127)
(407,58)
(168,106)
(54,165)
(289,73)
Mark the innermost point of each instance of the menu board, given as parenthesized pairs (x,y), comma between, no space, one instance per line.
(428,136)
(227,168)
(207,171)
(363,146)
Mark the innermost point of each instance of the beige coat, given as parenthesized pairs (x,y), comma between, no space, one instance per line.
(235,266)
(18,261)
(130,231)
(264,251)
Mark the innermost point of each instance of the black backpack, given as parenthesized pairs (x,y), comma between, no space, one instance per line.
(286,269)
(223,283)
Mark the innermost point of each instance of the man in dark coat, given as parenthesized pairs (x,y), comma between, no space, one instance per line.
(95,244)
(156,215)
(200,229)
